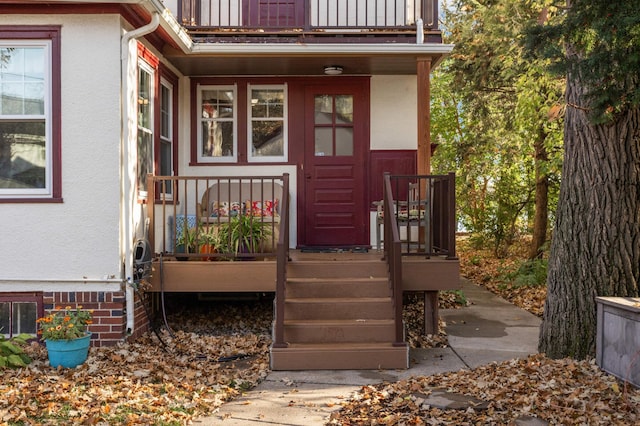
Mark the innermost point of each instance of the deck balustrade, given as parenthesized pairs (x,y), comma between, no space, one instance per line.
(307,15)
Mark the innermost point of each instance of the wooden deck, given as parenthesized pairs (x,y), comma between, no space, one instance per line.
(170,275)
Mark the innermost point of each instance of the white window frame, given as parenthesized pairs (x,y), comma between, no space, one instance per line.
(144,66)
(285,113)
(223,159)
(47,191)
(168,139)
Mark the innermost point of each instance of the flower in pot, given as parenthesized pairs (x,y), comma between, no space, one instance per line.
(65,332)
(208,243)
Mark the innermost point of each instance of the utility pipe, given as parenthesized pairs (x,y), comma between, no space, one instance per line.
(127,186)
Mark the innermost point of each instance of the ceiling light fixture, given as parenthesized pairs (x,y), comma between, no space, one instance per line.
(333,70)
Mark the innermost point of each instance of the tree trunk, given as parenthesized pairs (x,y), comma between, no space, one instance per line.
(541,214)
(595,250)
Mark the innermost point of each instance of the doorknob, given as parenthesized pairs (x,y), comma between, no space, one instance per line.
(308,176)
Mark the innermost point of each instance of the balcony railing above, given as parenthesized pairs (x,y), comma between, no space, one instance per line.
(307,15)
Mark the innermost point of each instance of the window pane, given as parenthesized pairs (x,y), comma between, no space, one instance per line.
(22,154)
(144,99)
(22,78)
(323,109)
(5,320)
(165,112)
(145,157)
(324,141)
(344,141)
(267,103)
(268,138)
(217,138)
(217,104)
(344,109)
(24,317)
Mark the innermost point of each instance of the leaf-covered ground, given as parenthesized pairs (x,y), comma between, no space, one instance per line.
(482,267)
(563,392)
(560,392)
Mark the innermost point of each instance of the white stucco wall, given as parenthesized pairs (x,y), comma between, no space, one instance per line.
(79,238)
(394,100)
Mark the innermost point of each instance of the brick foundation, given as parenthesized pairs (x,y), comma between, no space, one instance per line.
(109,313)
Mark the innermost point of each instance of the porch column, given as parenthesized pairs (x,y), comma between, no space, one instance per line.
(424,116)
(424,168)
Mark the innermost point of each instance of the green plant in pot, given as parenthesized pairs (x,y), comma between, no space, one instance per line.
(242,234)
(186,241)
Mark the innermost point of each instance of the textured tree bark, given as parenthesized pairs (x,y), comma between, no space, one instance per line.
(541,214)
(595,250)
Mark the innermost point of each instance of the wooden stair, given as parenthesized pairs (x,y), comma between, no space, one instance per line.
(338,316)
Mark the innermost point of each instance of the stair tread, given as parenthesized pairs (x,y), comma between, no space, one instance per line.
(372,279)
(337,321)
(344,345)
(337,299)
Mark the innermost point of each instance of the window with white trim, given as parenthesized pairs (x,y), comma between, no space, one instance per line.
(26,143)
(146,77)
(267,123)
(217,124)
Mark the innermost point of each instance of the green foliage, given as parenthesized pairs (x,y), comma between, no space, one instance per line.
(243,233)
(11,353)
(490,105)
(596,42)
(530,273)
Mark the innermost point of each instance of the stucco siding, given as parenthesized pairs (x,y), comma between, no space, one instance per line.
(394,120)
(79,238)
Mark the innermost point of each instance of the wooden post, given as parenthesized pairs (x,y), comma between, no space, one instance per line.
(424,116)
(424,168)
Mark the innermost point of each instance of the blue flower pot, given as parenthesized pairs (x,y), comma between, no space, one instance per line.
(68,353)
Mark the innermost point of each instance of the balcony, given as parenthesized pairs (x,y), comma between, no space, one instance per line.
(307,16)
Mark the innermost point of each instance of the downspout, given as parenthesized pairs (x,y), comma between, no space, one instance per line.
(127,186)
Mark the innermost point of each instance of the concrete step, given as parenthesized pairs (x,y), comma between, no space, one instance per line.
(362,308)
(327,331)
(338,287)
(337,269)
(343,356)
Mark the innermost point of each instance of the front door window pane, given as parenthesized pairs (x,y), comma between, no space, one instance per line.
(324,142)
(323,109)
(344,141)
(344,109)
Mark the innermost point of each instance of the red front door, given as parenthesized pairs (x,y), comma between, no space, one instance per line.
(336,147)
(274,13)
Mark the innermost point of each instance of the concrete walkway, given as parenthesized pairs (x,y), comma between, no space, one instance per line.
(489,330)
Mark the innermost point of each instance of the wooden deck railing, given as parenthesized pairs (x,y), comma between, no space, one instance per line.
(281,270)
(218,218)
(393,254)
(273,15)
(424,207)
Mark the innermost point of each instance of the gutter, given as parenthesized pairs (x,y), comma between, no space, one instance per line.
(127,178)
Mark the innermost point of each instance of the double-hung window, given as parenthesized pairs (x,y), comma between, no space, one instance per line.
(267,132)
(29,132)
(217,124)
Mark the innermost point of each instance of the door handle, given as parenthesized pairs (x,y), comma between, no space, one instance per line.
(308,176)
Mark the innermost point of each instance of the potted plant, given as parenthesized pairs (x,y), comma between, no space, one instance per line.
(208,243)
(66,335)
(186,241)
(243,234)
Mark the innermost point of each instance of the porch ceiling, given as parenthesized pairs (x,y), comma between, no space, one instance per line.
(303,60)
